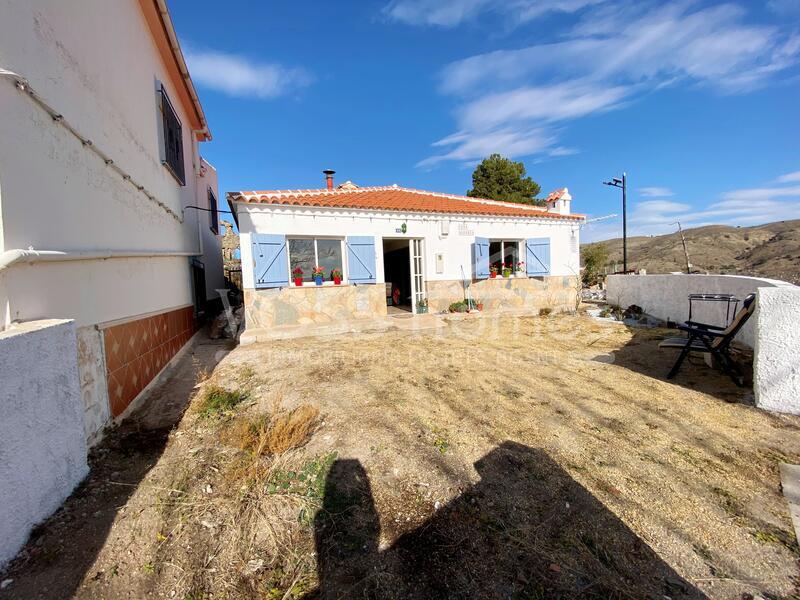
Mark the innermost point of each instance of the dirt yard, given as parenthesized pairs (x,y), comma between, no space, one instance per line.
(493,458)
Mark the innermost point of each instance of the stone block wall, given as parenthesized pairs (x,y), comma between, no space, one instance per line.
(313,305)
(534,293)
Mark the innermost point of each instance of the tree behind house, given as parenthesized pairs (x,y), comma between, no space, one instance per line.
(499,178)
(594,258)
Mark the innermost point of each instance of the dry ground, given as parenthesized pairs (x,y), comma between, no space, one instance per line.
(494,458)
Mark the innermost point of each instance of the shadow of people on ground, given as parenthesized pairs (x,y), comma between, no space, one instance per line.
(526,530)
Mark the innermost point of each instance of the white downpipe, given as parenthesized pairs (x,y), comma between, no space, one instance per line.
(12,257)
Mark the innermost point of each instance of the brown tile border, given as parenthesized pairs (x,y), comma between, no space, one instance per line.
(136,351)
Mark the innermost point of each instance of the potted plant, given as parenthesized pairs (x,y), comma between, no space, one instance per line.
(506,270)
(318,274)
(479,305)
(422,306)
(493,271)
(336,275)
(520,269)
(297,275)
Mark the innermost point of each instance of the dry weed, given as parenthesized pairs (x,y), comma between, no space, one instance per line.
(273,434)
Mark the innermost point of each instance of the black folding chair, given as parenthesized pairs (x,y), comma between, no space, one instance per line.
(712,339)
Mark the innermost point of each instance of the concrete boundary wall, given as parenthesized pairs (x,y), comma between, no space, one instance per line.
(776,369)
(666,296)
(42,439)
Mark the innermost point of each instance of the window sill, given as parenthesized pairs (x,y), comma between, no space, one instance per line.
(326,284)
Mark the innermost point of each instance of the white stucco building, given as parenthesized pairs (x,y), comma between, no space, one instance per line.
(100,171)
(399,249)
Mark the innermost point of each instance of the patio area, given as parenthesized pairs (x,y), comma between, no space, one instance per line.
(492,457)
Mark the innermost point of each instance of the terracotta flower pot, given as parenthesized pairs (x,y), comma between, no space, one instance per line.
(493,275)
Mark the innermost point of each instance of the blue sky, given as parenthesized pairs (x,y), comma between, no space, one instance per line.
(697,101)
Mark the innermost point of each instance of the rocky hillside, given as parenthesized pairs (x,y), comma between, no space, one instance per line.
(770,250)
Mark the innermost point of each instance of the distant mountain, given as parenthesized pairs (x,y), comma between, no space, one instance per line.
(771,250)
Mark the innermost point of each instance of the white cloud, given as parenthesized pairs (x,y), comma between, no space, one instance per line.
(785,8)
(551,103)
(713,45)
(789,178)
(655,192)
(612,57)
(450,13)
(466,147)
(749,206)
(238,76)
(563,151)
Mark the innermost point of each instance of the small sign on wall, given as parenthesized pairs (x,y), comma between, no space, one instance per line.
(439,263)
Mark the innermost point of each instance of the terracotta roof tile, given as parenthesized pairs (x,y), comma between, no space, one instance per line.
(393,198)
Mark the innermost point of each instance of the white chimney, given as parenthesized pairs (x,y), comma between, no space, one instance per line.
(558,202)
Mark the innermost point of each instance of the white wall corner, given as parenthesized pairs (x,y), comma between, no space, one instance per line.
(42,439)
(776,370)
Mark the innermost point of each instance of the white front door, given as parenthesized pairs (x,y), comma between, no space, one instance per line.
(417,273)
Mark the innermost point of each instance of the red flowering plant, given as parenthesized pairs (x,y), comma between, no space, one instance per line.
(317,272)
(506,269)
(493,269)
(336,274)
(297,275)
(521,266)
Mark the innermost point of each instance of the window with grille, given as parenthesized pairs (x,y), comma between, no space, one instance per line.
(212,215)
(173,139)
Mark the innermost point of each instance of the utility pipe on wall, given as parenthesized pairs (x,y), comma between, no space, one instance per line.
(12,257)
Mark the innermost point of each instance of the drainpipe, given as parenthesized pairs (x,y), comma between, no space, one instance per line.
(30,256)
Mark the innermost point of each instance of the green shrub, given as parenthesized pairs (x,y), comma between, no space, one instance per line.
(217,401)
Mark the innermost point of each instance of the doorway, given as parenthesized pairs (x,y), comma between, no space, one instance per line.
(403,273)
(397,274)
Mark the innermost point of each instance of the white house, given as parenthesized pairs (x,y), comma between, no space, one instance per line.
(399,249)
(100,174)
(108,232)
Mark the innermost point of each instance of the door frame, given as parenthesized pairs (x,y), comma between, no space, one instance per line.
(416,259)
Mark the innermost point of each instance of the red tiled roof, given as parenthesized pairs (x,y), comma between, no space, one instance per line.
(553,196)
(393,198)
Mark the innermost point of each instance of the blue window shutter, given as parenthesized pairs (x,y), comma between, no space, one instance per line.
(361,264)
(270,263)
(537,256)
(480,258)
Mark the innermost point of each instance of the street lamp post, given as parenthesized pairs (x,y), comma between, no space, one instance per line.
(622,183)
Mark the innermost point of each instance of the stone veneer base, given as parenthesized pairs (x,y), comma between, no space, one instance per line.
(340,305)
(531,293)
(313,305)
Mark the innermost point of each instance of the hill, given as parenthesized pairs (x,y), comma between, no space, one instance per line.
(771,250)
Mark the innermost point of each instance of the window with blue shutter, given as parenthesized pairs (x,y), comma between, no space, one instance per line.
(537,256)
(270,264)
(480,258)
(361,263)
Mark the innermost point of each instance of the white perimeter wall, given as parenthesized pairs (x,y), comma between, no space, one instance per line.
(776,368)
(666,296)
(42,446)
(96,64)
(456,246)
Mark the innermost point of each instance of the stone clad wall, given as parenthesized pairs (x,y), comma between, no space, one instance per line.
(313,305)
(532,293)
